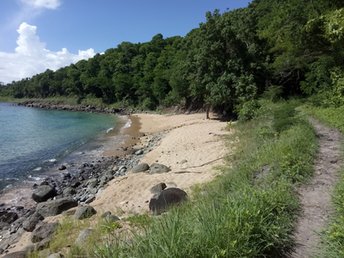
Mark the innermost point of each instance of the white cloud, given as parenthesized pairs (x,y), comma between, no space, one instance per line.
(31,56)
(40,4)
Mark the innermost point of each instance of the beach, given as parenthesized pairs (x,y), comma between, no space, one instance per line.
(192,147)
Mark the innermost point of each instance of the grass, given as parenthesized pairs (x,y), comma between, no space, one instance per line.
(248,211)
(333,236)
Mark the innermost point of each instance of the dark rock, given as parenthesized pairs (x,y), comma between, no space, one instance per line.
(90,199)
(43,232)
(62,167)
(43,193)
(8,216)
(30,224)
(55,207)
(158,168)
(158,188)
(140,168)
(19,254)
(170,196)
(84,212)
(83,235)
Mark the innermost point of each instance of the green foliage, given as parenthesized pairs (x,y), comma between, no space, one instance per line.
(248,110)
(227,61)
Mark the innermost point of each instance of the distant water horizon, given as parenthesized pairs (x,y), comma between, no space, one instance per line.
(32,139)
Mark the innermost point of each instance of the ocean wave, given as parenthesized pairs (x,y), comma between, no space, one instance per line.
(9,179)
(37,169)
(34,178)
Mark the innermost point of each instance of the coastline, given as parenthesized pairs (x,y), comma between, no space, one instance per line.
(189,145)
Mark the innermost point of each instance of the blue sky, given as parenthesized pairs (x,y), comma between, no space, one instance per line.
(62,28)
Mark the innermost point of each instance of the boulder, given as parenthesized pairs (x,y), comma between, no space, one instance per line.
(140,168)
(44,232)
(161,202)
(158,188)
(43,192)
(55,207)
(84,212)
(158,168)
(30,223)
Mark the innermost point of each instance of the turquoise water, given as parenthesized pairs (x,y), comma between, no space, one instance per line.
(30,137)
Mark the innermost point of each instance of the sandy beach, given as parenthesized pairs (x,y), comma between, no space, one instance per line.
(190,145)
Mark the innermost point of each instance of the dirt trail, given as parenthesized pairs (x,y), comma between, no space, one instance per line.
(316,196)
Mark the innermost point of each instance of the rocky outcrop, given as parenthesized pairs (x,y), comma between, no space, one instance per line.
(55,207)
(43,193)
(162,201)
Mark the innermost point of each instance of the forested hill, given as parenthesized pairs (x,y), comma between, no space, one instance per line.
(289,47)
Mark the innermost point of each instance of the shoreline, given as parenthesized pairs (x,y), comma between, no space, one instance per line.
(189,145)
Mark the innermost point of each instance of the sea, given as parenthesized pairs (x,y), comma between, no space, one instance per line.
(34,140)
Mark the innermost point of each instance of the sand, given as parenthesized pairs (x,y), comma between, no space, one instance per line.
(192,146)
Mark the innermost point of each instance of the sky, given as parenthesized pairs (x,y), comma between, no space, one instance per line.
(36,35)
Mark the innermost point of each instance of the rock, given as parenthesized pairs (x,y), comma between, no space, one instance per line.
(69,191)
(30,224)
(43,232)
(158,188)
(8,217)
(84,212)
(158,168)
(92,183)
(62,167)
(55,207)
(139,152)
(83,235)
(183,161)
(170,196)
(90,199)
(19,254)
(43,193)
(140,168)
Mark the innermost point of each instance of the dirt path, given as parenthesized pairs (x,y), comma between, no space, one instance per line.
(316,196)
